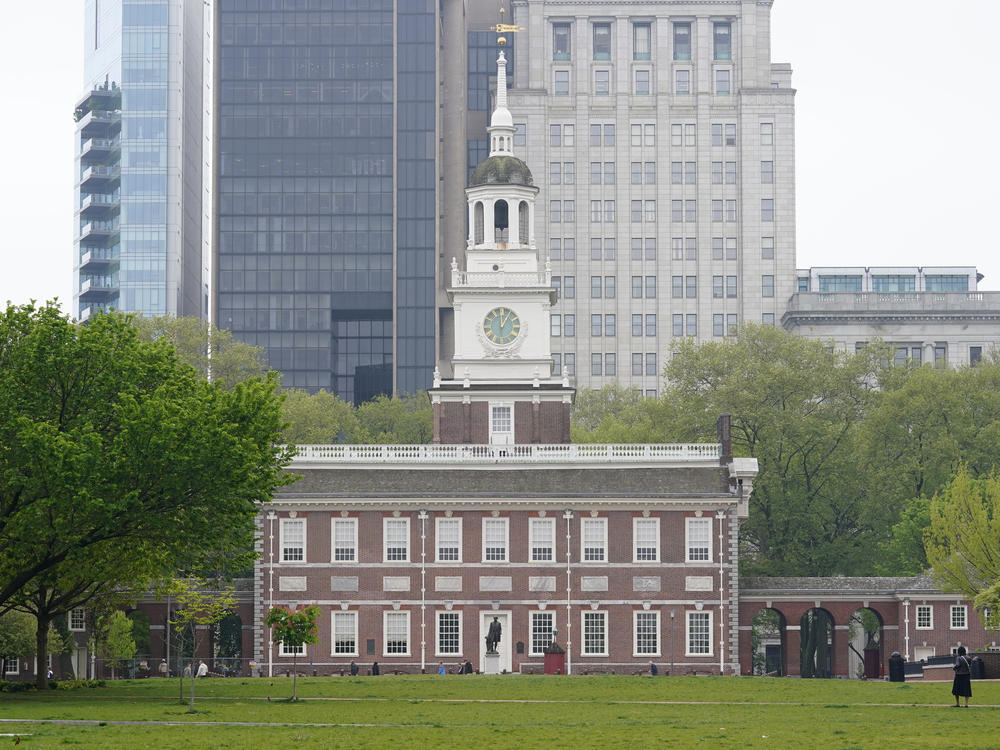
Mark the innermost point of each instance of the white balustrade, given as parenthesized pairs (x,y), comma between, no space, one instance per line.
(578,453)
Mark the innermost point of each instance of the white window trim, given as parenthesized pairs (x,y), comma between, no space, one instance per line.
(385,540)
(604,522)
(531,632)
(16,661)
(493,433)
(635,540)
(551,540)
(281,541)
(635,633)
(687,632)
(583,632)
(83,620)
(687,540)
(333,540)
(437,632)
(930,611)
(282,651)
(385,632)
(951,617)
(506,540)
(437,539)
(333,633)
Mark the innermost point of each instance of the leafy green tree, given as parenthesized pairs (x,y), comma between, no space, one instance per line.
(140,631)
(201,605)
(118,463)
(212,351)
(903,553)
(112,640)
(963,542)
(294,630)
(796,406)
(317,418)
(17,635)
(404,420)
(616,414)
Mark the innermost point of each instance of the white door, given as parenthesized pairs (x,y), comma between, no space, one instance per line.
(501,424)
(503,647)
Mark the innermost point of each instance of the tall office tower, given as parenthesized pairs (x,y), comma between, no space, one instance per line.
(667,197)
(139,159)
(327,197)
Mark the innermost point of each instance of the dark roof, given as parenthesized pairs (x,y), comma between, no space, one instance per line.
(526,481)
(501,170)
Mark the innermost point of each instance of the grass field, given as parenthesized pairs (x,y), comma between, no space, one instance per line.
(508,711)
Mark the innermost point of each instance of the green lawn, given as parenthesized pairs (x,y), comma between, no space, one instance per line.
(509,712)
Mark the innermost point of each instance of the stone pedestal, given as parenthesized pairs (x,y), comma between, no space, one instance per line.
(491,663)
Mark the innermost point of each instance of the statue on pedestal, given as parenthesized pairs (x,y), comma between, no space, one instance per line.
(493,636)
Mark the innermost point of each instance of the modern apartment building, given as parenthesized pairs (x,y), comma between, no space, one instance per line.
(327,189)
(663,145)
(139,166)
(926,314)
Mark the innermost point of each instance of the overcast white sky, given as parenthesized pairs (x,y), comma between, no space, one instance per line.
(897,118)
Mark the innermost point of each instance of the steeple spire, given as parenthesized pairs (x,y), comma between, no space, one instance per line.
(501,127)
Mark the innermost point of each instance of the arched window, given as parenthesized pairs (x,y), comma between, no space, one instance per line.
(522,222)
(501,221)
(480,224)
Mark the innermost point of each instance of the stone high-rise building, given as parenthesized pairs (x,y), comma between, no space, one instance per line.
(663,142)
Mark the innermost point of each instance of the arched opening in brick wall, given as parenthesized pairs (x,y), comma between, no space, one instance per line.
(768,643)
(865,653)
(816,638)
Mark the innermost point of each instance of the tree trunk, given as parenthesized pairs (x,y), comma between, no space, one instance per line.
(41,654)
(295,674)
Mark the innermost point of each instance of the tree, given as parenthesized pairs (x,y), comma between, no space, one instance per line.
(200,605)
(17,635)
(615,414)
(294,630)
(112,640)
(963,542)
(120,465)
(317,418)
(796,406)
(212,351)
(404,420)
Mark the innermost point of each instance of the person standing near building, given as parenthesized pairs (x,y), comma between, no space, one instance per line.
(962,684)
(202,669)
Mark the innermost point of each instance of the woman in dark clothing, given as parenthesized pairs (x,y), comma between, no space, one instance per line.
(962,686)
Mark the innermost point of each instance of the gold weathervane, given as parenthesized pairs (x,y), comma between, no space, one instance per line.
(504,28)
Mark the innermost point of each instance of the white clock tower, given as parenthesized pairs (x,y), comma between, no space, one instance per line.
(503,389)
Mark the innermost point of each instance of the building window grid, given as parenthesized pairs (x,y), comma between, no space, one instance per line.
(77,620)
(594,540)
(344,626)
(397,539)
(647,632)
(595,633)
(345,539)
(449,633)
(925,617)
(449,539)
(646,538)
(396,634)
(699,540)
(699,634)
(495,539)
(959,618)
(542,626)
(541,539)
(293,540)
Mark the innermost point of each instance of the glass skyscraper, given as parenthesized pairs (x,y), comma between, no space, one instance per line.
(139,159)
(326,189)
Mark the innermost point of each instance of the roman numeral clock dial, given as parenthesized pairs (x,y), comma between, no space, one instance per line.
(501,326)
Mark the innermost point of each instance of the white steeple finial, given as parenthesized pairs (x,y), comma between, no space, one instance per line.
(501,127)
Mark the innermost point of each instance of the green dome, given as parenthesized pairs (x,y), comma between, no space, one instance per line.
(501,170)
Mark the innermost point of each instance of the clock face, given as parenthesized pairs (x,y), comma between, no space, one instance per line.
(501,326)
